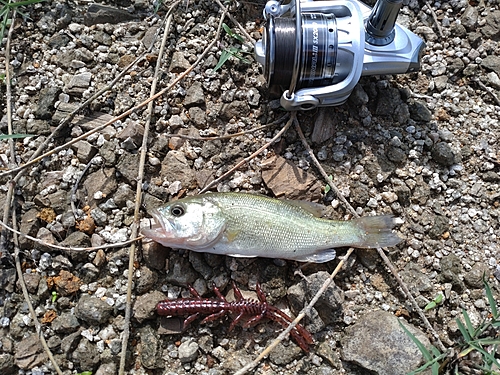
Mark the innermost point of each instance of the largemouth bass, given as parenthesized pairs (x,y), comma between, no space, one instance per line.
(247,225)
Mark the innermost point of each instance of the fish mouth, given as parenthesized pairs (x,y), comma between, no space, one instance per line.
(161,231)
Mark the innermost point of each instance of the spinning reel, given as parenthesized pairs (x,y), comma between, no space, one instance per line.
(320,49)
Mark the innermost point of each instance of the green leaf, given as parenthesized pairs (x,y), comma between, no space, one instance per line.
(430,305)
(439,298)
(491,299)
(427,354)
(470,327)
(224,56)
(232,34)
(463,330)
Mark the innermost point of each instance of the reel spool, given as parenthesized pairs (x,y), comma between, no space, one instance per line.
(320,49)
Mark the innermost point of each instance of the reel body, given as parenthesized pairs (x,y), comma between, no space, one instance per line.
(316,51)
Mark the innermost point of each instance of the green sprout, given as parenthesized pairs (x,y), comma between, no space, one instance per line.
(232,51)
(436,301)
(54,296)
(327,186)
(482,339)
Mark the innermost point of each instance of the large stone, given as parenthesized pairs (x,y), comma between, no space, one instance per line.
(287,180)
(379,344)
(29,353)
(97,14)
(491,28)
(145,305)
(151,352)
(175,167)
(103,180)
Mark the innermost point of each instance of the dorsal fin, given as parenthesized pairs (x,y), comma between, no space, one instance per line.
(314,209)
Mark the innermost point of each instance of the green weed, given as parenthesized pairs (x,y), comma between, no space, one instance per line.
(232,51)
(477,349)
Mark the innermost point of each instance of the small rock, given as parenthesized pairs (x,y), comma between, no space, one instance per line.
(451,268)
(145,305)
(132,131)
(151,352)
(469,17)
(8,279)
(179,63)
(146,281)
(92,310)
(180,271)
(66,283)
(76,239)
(188,351)
(194,95)
(378,344)
(199,117)
(98,14)
(282,355)
(84,151)
(491,28)
(235,109)
(86,355)
(175,167)
(103,180)
(31,280)
(78,84)
(65,323)
(70,342)
(7,364)
(155,255)
(492,62)
(106,369)
(443,154)
(474,278)
(128,167)
(420,112)
(46,100)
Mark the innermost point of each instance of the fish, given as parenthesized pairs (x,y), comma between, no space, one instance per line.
(251,225)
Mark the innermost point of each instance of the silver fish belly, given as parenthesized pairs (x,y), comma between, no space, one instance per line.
(247,225)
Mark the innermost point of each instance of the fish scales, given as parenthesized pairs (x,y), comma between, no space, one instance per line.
(247,225)
(268,224)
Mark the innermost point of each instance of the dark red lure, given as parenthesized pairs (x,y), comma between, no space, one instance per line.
(217,308)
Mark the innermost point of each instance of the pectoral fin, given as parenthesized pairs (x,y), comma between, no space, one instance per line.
(320,257)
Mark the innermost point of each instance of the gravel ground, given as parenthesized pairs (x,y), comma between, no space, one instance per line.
(422,146)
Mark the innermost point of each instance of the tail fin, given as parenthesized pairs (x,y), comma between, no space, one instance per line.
(378,231)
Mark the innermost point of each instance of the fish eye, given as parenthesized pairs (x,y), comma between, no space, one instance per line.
(177,210)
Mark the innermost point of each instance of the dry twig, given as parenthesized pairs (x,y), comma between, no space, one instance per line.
(487,89)
(436,21)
